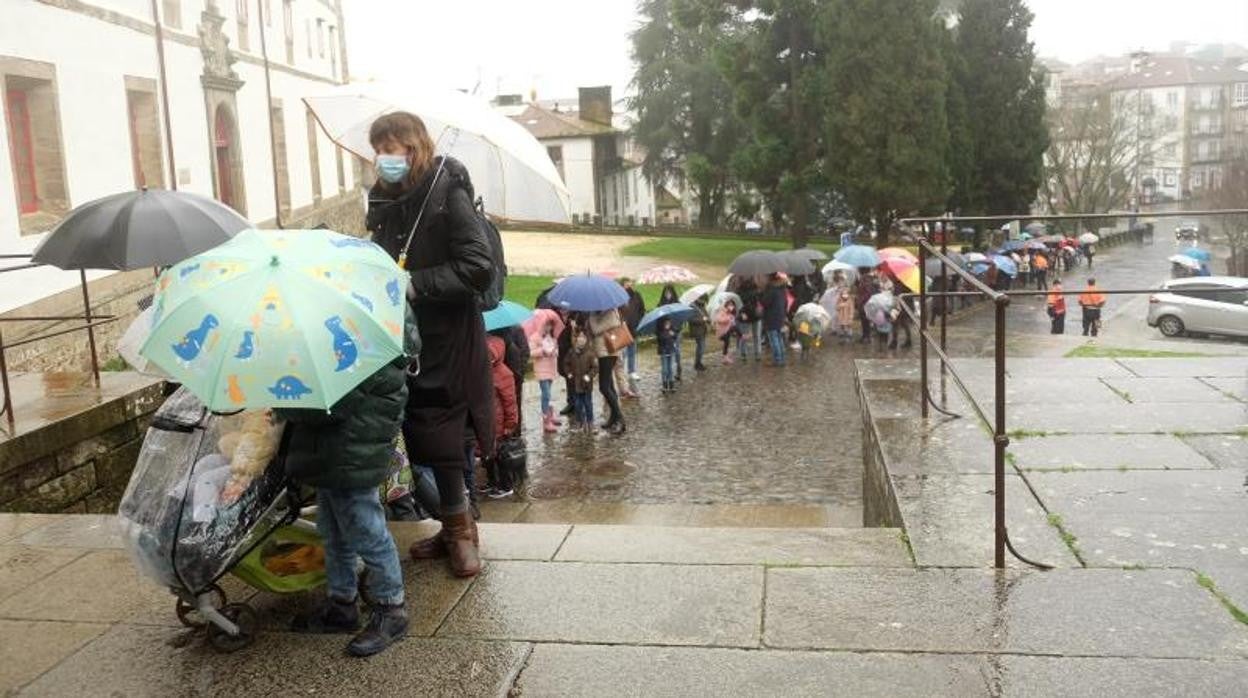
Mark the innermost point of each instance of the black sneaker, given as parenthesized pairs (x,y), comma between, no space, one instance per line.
(332,617)
(500,493)
(386,625)
(567,410)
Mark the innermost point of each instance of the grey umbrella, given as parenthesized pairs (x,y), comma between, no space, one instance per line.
(138,229)
(810,253)
(796,264)
(757,263)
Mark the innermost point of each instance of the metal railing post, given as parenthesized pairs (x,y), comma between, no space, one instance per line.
(944,311)
(86,311)
(922,326)
(4,382)
(1000,438)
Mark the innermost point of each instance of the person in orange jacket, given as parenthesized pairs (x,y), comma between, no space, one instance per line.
(1091,301)
(1056,302)
(506,418)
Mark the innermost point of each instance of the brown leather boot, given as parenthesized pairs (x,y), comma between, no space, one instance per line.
(461,542)
(430,548)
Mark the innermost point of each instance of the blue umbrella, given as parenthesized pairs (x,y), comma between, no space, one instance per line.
(507,314)
(1005,265)
(676,312)
(1012,245)
(1198,254)
(589,293)
(979,268)
(858,256)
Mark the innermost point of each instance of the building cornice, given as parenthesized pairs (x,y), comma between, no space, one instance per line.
(149,29)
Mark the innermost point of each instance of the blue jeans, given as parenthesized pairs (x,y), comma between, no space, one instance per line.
(699,347)
(677,356)
(630,358)
(584,405)
(777,346)
(758,340)
(669,368)
(352,524)
(544,386)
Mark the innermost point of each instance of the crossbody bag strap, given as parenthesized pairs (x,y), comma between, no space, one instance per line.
(420,214)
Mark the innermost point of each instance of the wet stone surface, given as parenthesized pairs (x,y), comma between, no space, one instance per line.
(1223,450)
(1106,452)
(1155,518)
(1093,676)
(1166,390)
(746,433)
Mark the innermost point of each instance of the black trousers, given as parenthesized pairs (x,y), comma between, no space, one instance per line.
(1090,318)
(606,386)
(1058,324)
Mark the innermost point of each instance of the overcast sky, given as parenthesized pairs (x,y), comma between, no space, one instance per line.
(554,46)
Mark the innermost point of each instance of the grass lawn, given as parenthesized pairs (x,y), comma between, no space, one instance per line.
(710,251)
(524,289)
(1096,351)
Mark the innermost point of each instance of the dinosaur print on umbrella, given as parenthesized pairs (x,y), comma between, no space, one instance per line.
(247,349)
(345,350)
(363,300)
(193,342)
(392,291)
(289,388)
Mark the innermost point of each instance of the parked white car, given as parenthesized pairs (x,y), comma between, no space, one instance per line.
(1204,304)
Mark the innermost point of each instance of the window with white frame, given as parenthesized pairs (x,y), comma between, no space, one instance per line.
(1241,94)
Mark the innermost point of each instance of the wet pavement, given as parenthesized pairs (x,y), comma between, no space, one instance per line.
(737,434)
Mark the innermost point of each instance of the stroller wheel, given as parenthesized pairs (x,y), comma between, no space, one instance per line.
(245,618)
(190,616)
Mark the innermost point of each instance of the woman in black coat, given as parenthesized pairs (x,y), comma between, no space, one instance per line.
(449,261)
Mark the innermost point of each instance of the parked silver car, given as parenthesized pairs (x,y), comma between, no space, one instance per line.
(1205,304)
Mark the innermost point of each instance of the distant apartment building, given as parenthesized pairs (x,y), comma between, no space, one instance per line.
(1187,114)
(587,139)
(84,115)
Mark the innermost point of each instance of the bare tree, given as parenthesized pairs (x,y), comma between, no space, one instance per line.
(1233,194)
(1097,145)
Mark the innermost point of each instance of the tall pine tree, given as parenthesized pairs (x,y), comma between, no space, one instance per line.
(886,124)
(681,99)
(1004,95)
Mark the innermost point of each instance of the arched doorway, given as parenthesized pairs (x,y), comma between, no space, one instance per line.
(225,153)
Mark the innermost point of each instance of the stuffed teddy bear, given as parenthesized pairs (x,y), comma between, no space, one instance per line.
(250,449)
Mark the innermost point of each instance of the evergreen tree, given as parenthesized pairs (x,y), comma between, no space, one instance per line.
(886,124)
(1004,93)
(681,99)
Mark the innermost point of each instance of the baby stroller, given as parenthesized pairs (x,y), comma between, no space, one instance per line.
(208,497)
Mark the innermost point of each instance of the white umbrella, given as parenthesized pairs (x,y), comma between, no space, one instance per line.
(510,169)
(972,257)
(1089,238)
(849,271)
(688,297)
(719,299)
(134,338)
(723,284)
(1183,260)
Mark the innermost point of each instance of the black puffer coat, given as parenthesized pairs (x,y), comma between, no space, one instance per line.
(450,264)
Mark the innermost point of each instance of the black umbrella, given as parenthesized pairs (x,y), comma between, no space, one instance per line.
(757,263)
(138,229)
(796,264)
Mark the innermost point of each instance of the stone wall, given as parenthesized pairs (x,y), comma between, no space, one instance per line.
(879,499)
(80,464)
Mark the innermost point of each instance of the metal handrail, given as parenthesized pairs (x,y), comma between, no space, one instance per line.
(1001,300)
(91,322)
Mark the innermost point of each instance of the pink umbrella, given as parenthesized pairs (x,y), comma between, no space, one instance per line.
(667,274)
(540,318)
(898,253)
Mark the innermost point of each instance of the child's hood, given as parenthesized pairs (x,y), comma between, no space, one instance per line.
(497,349)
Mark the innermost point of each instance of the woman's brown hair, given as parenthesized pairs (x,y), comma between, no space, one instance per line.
(408,130)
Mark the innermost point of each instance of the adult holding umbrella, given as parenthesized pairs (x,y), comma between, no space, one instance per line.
(1088,241)
(420,210)
(632,312)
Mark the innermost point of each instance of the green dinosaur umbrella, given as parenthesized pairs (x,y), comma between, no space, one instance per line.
(288,318)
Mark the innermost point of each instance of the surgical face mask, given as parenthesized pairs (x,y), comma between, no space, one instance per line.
(392,168)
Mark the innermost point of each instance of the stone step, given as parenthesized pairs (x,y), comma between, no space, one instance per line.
(571,511)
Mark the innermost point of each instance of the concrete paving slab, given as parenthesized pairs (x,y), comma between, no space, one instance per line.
(953,446)
(1150,613)
(77,531)
(22,566)
(1228,451)
(575,602)
(1070,368)
(14,525)
(498,541)
(499,511)
(1106,452)
(29,648)
(431,592)
(102,587)
(1236,387)
(1213,366)
(949,519)
(1231,581)
(1139,418)
(1166,390)
(1088,677)
(595,670)
(857,547)
(1152,518)
(138,661)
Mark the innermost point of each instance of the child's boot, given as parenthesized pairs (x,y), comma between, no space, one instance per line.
(333,617)
(554,418)
(548,422)
(386,625)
